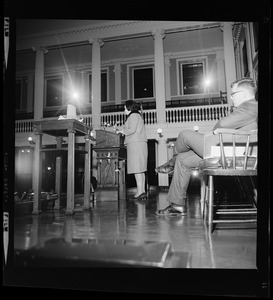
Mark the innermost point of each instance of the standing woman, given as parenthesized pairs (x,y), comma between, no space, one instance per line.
(137,148)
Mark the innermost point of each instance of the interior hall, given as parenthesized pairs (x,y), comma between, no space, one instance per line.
(76,206)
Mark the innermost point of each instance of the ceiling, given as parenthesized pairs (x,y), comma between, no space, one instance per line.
(35,26)
(115,49)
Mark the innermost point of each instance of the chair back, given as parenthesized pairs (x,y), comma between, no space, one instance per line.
(238,148)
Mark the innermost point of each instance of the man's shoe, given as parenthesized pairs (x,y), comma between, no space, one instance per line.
(142,196)
(167,168)
(171,211)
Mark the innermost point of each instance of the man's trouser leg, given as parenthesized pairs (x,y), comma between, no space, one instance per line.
(181,176)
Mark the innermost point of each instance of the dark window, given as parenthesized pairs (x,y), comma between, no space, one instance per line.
(103,87)
(192,77)
(143,83)
(54,93)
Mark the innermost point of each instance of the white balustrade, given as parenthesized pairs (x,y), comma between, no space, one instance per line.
(173,115)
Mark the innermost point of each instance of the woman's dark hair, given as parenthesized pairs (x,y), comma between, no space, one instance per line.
(131,105)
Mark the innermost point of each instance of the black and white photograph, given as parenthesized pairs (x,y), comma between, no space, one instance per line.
(131,157)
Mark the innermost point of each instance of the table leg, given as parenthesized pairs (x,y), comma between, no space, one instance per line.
(70,172)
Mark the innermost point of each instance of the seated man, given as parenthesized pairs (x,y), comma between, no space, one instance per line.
(188,148)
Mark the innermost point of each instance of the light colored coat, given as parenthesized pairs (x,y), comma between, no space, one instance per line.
(134,129)
(136,142)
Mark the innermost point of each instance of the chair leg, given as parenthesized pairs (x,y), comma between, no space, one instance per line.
(210,203)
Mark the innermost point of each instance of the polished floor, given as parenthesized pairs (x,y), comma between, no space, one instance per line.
(111,223)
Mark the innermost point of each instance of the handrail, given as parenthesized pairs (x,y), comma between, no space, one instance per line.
(173,115)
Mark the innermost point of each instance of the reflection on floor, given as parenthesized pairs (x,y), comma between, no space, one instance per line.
(183,240)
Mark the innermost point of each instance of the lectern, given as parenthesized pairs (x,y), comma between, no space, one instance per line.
(111,157)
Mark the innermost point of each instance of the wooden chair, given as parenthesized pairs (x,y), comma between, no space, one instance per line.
(235,155)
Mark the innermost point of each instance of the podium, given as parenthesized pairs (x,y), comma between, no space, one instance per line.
(111,162)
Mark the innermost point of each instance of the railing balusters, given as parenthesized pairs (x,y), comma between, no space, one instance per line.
(173,115)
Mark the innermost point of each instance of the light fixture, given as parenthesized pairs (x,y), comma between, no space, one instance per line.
(195,173)
(196,128)
(159,131)
(92,136)
(171,145)
(31,141)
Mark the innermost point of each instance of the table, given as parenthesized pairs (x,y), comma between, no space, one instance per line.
(61,128)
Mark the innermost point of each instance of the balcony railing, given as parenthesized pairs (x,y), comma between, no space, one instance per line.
(173,115)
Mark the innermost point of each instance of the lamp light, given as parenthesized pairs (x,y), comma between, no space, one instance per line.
(207,84)
(196,128)
(31,141)
(159,131)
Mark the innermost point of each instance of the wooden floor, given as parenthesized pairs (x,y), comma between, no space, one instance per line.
(133,223)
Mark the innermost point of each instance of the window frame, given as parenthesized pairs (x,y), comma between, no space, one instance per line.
(46,79)
(187,61)
(130,79)
(103,71)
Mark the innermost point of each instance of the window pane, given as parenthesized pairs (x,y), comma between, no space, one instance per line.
(54,92)
(143,83)
(192,78)
(103,87)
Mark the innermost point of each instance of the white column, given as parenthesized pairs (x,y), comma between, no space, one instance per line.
(117,71)
(159,63)
(162,158)
(96,82)
(229,56)
(70,172)
(39,83)
(37,183)
(87,173)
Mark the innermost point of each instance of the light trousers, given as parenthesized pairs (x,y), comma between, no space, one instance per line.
(188,152)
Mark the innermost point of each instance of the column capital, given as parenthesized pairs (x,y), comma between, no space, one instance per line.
(162,141)
(167,62)
(71,130)
(96,40)
(37,129)
(117,67)
(224,25)
(42,49)
(158,33)
(59,139)
(219,55)
(87,137)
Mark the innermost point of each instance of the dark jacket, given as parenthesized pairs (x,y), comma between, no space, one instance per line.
(243,117)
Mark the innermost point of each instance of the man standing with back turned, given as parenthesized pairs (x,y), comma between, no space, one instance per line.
(189,145)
